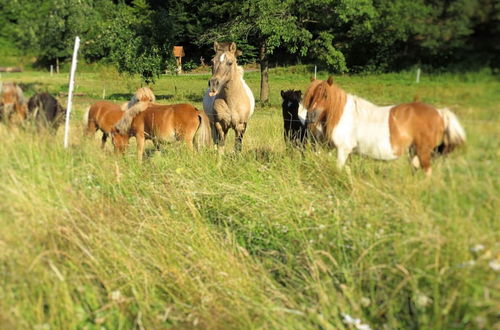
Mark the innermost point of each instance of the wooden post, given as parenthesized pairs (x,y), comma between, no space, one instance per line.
(51,70)
(57,65)
(178,52)
(70,92)
(418,75)
(315,71)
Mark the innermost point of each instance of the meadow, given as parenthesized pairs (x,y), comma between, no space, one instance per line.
(268,238)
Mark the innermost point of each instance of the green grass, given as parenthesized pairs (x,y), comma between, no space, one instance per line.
(269,238)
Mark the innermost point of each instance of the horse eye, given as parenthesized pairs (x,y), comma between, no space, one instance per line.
(229,63)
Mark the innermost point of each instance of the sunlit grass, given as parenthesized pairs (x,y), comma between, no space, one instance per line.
(269,238)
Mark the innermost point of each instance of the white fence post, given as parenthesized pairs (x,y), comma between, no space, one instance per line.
(315,70)
(70,92)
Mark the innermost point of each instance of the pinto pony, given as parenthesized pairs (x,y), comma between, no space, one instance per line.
(228,102)
(294,117)
(46,111)
(12,103)
(161,123)
(349,123)
(103,115)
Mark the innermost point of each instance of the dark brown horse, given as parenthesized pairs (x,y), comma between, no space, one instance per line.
(294,117)
(161,123)
(46,111)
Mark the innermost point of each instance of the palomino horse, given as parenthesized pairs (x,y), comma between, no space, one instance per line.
(228,102)
(294,117)
(352,123)
(161,123)
(46,111)
(12,104)
(103,115)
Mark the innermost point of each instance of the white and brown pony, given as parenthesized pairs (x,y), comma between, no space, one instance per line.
(161,123)
(228,102)
(351,123)
(103,115)
(13,109)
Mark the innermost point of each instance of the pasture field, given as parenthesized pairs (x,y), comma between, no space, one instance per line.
(269,238)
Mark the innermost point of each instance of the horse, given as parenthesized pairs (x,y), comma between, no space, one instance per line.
(294,117)
(228,101)
(103,115)
(161,123)
(12,103)
(46,111)
(349,123)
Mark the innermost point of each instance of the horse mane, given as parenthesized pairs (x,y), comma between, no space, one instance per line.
(143,94)
(330,98)
(123,125)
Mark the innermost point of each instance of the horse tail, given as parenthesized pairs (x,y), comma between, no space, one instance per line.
(454,134)
(203,136)
(123,125)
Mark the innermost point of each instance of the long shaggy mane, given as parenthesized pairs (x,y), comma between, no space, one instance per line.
(328,98)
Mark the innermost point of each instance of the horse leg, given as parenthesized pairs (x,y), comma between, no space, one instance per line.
(240,131)
(221,132)
(424,157)
(140,146)
(103,139)
(342,154)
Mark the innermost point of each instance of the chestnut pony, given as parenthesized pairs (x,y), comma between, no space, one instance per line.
(351,123)
(12,104)
(228,102)
(161,123)
(103,115)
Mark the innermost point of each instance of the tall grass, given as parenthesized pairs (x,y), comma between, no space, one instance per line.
(269,238)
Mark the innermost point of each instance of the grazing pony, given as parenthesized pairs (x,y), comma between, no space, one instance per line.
(294,117)
(349,123)
(12,104)
(228,101)
(46,111)
(161,123)
(103,115)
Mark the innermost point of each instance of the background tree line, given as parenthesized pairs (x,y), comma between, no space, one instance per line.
(338,35)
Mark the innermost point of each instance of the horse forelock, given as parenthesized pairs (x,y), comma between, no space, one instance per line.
(329,100)
(144,94)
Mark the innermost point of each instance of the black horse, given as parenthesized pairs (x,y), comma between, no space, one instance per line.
(294,123)
(45,111)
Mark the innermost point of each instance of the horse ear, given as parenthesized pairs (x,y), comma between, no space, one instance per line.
(300,93)
(330,80)
(232,48)
(216,46)
(313,79)
(282,94)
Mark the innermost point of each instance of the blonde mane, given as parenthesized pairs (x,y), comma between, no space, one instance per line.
(142,98)
(143,94)
(328,98)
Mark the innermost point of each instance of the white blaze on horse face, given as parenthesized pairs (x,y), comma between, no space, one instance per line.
(222,57)
(302,114)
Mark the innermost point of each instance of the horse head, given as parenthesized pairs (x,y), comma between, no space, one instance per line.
(290,105)
(324,102)
(223,66)
(120,140)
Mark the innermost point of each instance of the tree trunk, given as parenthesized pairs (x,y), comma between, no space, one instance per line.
(264,74)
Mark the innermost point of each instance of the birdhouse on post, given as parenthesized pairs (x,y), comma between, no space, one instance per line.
(179,54)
